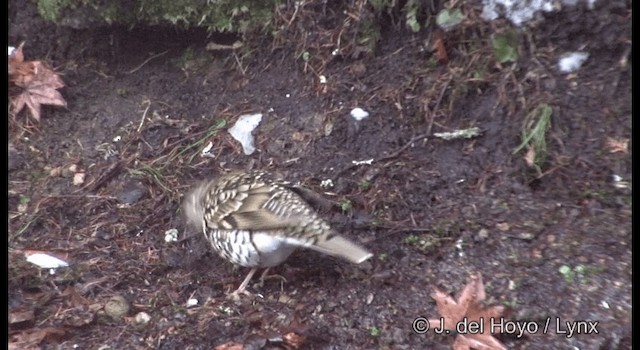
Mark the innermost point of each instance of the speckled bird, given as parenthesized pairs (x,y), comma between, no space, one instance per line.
(255,220)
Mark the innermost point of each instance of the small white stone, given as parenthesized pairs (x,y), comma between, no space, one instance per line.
(78,178)
(571,62)
(328,183)
(242,129)
(117,138)
(323,79)
(171,235)
(46,261)
(458,246)
(11,49)
(359,113)
(205,151)
(192,302)
(142,318)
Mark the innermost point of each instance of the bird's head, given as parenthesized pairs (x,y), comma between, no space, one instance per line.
(193,206)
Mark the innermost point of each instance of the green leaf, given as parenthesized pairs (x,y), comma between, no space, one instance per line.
(449,18)
(505,46)
(412,20)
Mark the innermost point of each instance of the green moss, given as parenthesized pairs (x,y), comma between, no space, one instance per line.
(222,15)
(239,16)
(52,9)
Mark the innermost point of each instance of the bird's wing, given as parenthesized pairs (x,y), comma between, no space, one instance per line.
(258,205)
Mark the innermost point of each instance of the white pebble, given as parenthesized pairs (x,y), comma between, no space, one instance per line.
(143,318)
(571,62)
(326,183)
(46,261)
(242,129)
(171,235)
(359,113)
(206,150)
(78,178)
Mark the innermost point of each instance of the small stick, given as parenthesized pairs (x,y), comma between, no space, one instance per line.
(392,155)
(146,61)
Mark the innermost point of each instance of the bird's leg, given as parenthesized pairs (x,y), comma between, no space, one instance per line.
(243,287)
(264,276)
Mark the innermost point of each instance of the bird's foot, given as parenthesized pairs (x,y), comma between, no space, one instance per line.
(243,287)
(238,294)
(265,276)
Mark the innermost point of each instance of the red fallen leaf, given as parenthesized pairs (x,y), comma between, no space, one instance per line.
(32,84)
(441,51)
(477,341)
(469,306)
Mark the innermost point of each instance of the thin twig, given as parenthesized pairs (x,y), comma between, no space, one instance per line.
(390,156)
(147,61)
(144,115)
(432,115)
(107,175)
(242,70)
(403,148)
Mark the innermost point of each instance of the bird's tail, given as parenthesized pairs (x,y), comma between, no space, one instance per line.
(339,246)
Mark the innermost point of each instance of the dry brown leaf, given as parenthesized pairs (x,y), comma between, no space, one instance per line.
(32,338)
(472,341)
(32,84)
(21,316)
(468,307)
(530,156)
(75,297)
(294,340)
(229,346)
(618,145)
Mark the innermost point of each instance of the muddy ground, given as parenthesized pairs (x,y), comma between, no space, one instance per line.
(553,244)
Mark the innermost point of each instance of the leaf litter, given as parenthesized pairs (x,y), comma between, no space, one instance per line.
(468,307)
(32,84)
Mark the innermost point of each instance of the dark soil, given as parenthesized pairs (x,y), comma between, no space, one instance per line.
(552,245)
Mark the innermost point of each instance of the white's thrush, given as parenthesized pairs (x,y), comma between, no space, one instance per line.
(255,220)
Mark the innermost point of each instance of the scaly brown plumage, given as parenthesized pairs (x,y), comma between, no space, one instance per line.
(254,220)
